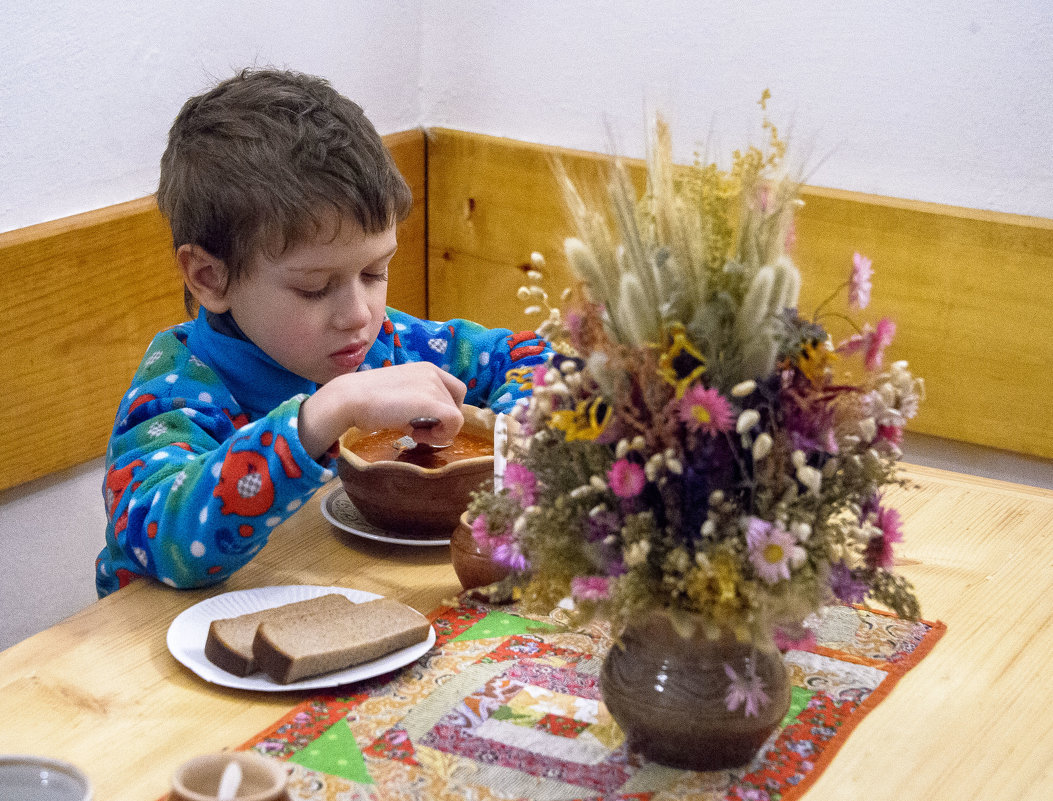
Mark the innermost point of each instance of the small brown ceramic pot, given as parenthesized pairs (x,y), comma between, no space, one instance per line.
(669,693)
(474,566)
(262,779)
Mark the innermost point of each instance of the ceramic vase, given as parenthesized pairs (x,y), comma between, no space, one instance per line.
(670,695)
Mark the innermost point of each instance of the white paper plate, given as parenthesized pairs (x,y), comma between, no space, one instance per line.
(338,509)
(188,632)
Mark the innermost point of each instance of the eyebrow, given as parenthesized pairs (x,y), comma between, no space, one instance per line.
(309,270)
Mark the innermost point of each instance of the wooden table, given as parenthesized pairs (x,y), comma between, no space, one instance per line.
(973,720)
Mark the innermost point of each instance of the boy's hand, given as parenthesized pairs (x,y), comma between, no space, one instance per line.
(386,397)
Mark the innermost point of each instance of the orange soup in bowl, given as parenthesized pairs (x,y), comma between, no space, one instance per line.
(379,447)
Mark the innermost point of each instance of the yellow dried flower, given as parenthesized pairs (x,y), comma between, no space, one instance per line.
(586,421)
(813,360)
(682,363)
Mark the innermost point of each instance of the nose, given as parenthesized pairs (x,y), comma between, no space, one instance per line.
(351,308)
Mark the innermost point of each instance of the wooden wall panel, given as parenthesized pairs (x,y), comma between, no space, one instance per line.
(972,298)
(491,202)
(407,277)
(81,298)
(971,292)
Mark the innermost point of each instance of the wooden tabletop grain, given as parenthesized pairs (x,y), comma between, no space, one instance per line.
(973,720)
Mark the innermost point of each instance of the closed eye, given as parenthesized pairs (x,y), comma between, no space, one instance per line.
(314,294)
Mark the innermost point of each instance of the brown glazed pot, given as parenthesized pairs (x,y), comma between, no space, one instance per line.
(473,565)
(407,498)
(667,693)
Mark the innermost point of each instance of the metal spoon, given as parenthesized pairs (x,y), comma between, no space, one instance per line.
(408,444)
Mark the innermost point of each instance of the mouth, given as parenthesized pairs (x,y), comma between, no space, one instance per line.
(349,358)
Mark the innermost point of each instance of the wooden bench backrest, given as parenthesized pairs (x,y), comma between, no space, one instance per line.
(971,292)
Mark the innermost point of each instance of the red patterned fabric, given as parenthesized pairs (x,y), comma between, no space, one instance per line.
(519,714)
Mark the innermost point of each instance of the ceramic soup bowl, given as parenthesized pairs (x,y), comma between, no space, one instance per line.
(419,496)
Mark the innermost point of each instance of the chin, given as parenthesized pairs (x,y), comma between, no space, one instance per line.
(325,378)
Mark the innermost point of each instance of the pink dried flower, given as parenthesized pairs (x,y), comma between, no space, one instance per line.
(871,341)
(853,344)
(626,478)
(888,520)
(893,434)
(747,689)
(879,340)
(521,482)
(771,549)
(484,537)
(590,588)
(537,377)
(801,639)
(706,410)
(859,285)
(481,531)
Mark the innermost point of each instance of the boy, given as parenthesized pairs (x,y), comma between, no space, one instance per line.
(282,202)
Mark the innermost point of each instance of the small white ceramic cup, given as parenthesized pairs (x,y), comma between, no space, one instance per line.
(36,778)
(262,779)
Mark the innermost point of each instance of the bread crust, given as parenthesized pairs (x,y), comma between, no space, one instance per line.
(289,651)
(229,642)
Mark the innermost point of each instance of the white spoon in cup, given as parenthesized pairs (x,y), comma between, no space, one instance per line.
(229,782)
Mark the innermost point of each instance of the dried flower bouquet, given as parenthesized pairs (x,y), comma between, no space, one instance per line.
(697,445)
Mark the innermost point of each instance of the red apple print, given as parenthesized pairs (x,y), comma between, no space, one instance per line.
(245,484)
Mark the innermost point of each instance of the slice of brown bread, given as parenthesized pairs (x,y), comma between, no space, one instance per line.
(229,641)
(288,650)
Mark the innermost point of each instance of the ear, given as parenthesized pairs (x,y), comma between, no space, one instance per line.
(205,276)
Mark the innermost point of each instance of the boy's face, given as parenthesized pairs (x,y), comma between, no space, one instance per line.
(317,308)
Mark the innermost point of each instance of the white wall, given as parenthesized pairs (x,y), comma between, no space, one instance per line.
(939,100)
(945,100)
(88,89)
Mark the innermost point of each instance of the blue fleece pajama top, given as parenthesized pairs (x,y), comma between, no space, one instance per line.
(204,459)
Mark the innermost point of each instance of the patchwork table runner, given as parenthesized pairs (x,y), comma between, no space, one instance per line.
(509,707)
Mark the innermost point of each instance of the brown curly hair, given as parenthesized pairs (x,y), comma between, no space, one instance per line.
(263,159)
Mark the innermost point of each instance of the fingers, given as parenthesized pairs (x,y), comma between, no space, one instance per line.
(454,386)
(450,422)
(389,398)
(441,395)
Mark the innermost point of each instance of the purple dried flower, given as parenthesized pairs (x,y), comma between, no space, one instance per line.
(600,525)
(747,689)
(880,549)
(508,554)
(845,586)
